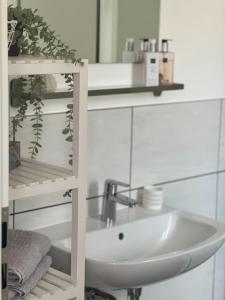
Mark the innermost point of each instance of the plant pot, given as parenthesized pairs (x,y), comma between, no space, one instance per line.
(15,49)
(14,155)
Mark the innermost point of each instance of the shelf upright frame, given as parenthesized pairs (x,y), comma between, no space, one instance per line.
(79,170)
(79,72)
(4,165)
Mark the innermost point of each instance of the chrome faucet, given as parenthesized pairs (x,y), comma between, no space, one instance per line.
(111,197)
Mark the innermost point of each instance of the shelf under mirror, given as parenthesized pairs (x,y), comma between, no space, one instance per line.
(116,90)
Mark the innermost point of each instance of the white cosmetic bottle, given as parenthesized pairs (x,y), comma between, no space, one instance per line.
(152,59)
(129,55)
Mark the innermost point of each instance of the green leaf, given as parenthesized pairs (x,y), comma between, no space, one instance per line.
(66,131)
(69,139)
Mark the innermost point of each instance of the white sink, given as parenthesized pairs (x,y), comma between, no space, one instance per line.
(154,248)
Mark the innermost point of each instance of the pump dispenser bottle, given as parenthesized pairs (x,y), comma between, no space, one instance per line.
(129,55)
(152,64)
(167,59)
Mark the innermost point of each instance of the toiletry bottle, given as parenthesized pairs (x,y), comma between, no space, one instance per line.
(151,65)
(144,47)
(129,55)
(167,59)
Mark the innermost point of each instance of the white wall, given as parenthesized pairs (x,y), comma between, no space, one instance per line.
(198,30)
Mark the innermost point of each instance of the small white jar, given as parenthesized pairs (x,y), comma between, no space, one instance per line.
(153,198)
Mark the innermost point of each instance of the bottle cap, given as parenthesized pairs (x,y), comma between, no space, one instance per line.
(165,45)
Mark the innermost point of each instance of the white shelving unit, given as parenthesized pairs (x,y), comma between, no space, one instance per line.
(34,178)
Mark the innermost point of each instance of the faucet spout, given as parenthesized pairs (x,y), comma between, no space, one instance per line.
(124,200)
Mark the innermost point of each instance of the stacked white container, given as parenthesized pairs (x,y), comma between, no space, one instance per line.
(153,197)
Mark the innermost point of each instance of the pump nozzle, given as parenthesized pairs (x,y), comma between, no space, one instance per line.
(153,45)
(165,45)
(144,44)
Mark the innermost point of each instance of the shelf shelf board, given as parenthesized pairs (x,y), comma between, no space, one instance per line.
(25,65)
(116,90)
(54,286)
(34,178)
(156,90)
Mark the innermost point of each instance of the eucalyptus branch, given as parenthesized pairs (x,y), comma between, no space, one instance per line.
(34,37)
(37,85)
(68,130)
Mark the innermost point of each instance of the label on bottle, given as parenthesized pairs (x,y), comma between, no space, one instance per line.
(152,69)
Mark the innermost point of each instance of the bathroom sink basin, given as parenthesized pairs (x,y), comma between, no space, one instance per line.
(154,248)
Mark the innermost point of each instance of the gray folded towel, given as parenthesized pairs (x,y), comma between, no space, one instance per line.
(20,291)
(26,250)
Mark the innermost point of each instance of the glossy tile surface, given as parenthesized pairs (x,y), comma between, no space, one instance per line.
(109,135)
(174,141)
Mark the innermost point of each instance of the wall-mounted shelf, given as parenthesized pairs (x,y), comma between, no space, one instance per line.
(156,90)
(34,178)
(116,90)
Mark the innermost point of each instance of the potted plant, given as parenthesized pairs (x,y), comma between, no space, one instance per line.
(34,37)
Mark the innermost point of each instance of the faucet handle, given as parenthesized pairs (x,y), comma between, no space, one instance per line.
(111,186)
(116,182)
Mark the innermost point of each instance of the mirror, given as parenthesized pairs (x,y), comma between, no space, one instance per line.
(98,29)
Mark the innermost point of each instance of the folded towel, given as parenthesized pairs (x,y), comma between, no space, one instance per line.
(20,291)
(26,250)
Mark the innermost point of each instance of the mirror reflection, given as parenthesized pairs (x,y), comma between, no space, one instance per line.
(100,29)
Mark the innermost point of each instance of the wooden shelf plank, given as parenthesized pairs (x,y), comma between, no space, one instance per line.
(30,66)
(53,287)
(35,178)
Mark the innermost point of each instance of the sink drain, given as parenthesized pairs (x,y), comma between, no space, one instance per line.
(121,236)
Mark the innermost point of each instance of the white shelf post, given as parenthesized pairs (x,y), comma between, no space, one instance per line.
(4,114)
(4,106)
(79,169)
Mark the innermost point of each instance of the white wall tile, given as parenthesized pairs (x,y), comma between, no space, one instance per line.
(197,195)
(222,144)
(43,218)
(174,141)
(109,135)
(41,201)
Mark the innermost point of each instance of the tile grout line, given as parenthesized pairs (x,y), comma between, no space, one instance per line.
(123,191)
(40,208)
(220,135)
(217,190)
(14,211)
(131,149)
